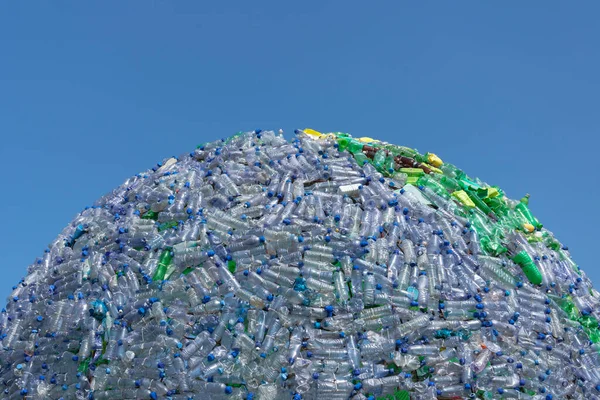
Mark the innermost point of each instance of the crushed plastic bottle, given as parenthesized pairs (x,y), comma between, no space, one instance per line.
(257,268)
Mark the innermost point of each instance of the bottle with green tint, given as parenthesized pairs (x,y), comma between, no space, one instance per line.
(450,170)
(509,223)
(497,205)
(167,225)
(231,265)
(434,185)
(379,159)
(150,215)
(398,395)
(517,219)
(393,150)
(412,171)
(567,305)
(465,182)
(593,334)
(523,209)
(164,261)
(343,143)
(479,203)
(482,193)
(458,210)
(468,184)
(187,270)
(449,183)
(531,271)
(551,243)
(492,247)
(481,221)
(355,147)
(412,179)
(534,239)
(421,158)
(588,321)
(407,151)
(361,158)
(389,164)
(399,178)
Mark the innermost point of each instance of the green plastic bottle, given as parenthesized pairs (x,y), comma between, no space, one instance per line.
(421,158)
(497,205)
(450,170)
(407,151)
(167,225)
(379,159)
(524,210)
(343,143)
(231,265)
(412,171)
(355,147)
(481,222)
(450,183)
(361,158)
(390,164)
(588,321)
(164,261)
(479,203)
(593,334)
(434,185)
(529,268)
(150,215)
(393,150)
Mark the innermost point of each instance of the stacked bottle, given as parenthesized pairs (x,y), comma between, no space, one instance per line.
(257,268)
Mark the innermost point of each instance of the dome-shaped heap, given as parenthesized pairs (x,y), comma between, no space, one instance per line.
(326,267)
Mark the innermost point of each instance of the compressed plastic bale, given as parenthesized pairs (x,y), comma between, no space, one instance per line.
(257,268)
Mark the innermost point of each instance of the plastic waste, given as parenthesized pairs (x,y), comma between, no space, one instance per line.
(260,268)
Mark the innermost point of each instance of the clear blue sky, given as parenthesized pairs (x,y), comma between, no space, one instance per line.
(93,92)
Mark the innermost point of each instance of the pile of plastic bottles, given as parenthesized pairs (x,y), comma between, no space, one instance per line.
(325,267)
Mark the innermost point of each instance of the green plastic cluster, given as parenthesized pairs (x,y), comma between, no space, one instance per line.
(491,214)
(486,207)
(398,395)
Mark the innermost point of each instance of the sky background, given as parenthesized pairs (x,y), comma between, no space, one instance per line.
(94,92)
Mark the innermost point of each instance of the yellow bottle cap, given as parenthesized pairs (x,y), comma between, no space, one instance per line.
(528,227)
